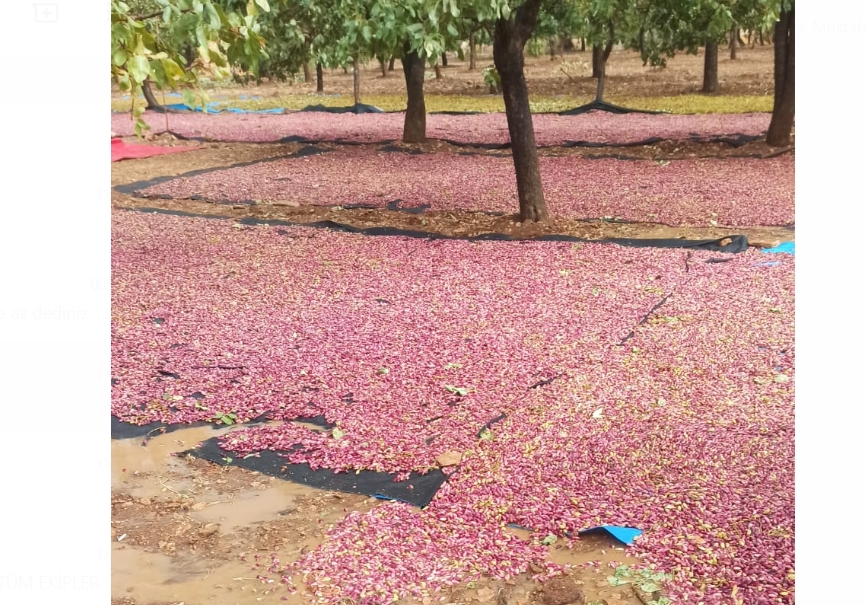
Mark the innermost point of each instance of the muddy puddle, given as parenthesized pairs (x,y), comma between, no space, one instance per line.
(191,532)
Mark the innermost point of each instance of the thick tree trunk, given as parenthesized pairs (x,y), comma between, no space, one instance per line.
(320,78)
(438,71)
(415,121)
(152,103)
(732,45)
(471,51)
(583,45)
(444,59)
(509,38)
(779,133)
(391,63)
(551,44)
(599,88)
(600,56)
(308,77)
(383,67)
(761,36)
(356,81)
(711,67)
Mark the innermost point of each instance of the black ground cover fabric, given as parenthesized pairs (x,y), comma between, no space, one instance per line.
(733,245)
(357,108)
(735,140)
(604,106)
(417,490)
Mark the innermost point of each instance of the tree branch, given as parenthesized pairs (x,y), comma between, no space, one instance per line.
(145,17)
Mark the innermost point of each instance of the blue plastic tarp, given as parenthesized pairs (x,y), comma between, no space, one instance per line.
(783,248)
(214,108)
(626,535)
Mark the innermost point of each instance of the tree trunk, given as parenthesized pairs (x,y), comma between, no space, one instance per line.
(779,133)
(751,40)
(565,44)
(551,44)
(308,77)
(444,59)
(599,88)
(384,67)
(711,67)
(732,45)
(600,56)
(356,81)
(471,51)
(761,36)
(509,38)
(415,121)
(152,103)
(391,63)
(583,45)
(320,78)
(190,55)
(438,71)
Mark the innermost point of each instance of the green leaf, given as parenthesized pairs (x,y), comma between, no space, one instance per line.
(337,433)
(487,435)
(189,97)
(139,68)
(197,7)
(166,14)
(452,30)
(550,539)
(264,5)
(201,36)
(119,57)
(213,16)
(367,33)
(650,587)
(456,390)
(621,571)
(172,70)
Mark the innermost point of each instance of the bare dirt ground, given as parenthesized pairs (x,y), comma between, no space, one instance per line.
(460,224)
(751,74)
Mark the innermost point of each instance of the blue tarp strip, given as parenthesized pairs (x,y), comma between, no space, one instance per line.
(784,247)
(213,108)
(626,535)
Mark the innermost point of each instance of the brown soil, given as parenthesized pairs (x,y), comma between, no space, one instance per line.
(750,74)
(450,223)
(187,531)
